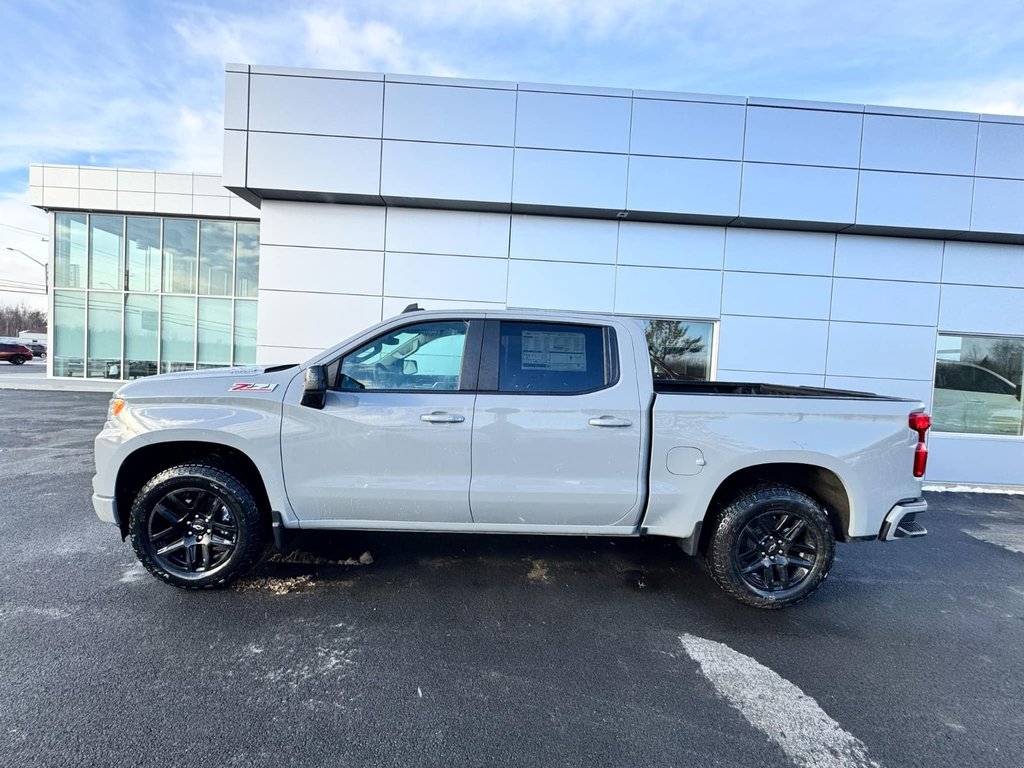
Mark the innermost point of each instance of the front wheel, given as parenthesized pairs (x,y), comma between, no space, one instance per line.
(196,527)
(17,360)
(771,547)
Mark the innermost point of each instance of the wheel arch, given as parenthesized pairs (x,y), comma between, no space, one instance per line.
(820,483)
(145,462)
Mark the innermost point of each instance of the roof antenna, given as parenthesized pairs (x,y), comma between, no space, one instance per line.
(414,307)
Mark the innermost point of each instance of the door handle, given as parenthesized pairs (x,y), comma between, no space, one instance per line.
(609,421)
(440,417)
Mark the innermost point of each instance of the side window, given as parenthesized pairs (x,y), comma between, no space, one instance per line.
(552,358)
(423,356)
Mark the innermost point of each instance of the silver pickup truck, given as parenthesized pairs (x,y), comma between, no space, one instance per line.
(507,422)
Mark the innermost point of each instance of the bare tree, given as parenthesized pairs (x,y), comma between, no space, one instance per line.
(17,318)
(1004,356)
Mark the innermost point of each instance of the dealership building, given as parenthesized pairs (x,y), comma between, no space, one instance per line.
(807,243)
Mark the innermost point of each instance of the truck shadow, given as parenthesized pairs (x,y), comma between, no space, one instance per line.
(639,564)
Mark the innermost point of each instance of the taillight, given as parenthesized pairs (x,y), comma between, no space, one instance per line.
(920,422)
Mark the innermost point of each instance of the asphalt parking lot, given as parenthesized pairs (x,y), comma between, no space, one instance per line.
(491,650)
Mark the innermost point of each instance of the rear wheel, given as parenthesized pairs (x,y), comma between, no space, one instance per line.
(196,527)
(17,360)
(771,547)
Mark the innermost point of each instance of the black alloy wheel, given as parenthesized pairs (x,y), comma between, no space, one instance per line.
(776,552)
(17,360)
(771,547)
(192,532)
(197,526)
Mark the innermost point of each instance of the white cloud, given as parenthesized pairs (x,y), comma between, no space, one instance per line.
(333,41)
(593,19)
(998,97)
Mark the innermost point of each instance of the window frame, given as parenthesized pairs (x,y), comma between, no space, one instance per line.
(468,374)
(490,357)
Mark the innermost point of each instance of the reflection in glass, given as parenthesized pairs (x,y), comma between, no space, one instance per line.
(104,335)
(143,235)
(679,349)
(216,242)
(247,259)
(177,334)
(245,333)
(214,333)
(424,356)
(141,327)
(106,265)
(68,332)
(179,255)
(978,385)
(69,251)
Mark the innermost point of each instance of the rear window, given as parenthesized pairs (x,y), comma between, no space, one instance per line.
(553,358)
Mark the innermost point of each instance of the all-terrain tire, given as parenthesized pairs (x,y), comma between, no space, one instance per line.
(771,547)
(210,505)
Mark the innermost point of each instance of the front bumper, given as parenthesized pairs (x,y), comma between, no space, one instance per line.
(106,509)
(901,522)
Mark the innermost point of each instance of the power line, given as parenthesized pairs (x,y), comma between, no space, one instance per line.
(22,229)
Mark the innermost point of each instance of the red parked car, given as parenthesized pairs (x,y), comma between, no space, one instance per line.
(15,354)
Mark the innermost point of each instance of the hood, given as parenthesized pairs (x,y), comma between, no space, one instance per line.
(211,381)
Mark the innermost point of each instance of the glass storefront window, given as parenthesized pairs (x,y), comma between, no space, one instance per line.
(69,332)
(978,381)
(216,268)
(179,255)
(114,315)
(214,333)
(679,349)
(177,333)
(69,251)
(103,335)
(106,264)
(141,333)
(245,333)
(143,236)
(247,259)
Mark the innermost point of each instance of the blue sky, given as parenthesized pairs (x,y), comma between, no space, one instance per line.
(139,83)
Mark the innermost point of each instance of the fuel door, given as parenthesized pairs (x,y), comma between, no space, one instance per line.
(685,461)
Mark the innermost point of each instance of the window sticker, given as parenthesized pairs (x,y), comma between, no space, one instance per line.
(554,351)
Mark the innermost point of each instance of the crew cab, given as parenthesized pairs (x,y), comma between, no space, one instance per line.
(507,422)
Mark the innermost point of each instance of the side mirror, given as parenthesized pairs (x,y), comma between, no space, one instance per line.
(314,388)
(410,367)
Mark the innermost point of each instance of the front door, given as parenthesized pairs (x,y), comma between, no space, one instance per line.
(557,440)
(392,443)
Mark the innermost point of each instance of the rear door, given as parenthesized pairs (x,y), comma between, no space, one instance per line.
(557,427)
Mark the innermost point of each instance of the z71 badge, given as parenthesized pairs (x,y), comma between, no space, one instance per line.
(252,387)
